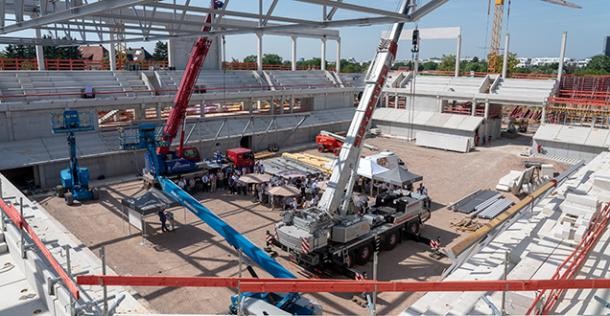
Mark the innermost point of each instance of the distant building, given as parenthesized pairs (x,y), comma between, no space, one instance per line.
(607,46)
(94,53)
(138,54)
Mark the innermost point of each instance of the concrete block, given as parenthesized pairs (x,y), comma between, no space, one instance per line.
(547,170)
(580,233)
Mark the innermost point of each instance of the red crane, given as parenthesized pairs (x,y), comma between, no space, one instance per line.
(185,89)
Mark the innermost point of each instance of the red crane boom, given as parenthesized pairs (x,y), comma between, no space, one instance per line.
(187,84)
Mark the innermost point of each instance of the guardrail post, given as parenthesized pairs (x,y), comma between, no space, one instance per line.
(503,310)
(374,299)
(1,210)
(104,288)
(21,221)
(69,270)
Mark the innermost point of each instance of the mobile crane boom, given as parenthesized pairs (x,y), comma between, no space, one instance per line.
(187,84)
(344,174)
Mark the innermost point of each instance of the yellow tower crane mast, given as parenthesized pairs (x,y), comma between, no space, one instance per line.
(496,30)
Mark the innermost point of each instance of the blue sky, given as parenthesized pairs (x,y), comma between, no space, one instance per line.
(535,28)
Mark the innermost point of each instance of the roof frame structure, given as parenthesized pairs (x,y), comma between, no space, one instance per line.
(144,20)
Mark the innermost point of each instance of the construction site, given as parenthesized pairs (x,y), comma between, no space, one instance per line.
(195,185)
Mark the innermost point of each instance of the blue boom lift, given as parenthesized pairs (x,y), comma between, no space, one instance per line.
(74,179)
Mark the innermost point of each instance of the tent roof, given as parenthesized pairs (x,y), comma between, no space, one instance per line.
(398,176)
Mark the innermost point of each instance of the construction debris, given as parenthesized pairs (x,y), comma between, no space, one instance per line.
(467,224)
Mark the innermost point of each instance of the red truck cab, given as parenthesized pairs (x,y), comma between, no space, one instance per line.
(241,157)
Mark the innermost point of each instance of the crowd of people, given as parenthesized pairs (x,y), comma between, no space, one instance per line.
(308,186)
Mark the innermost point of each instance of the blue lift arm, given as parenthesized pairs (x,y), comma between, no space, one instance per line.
(232,236)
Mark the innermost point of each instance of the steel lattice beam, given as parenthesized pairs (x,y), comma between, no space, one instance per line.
(71,13)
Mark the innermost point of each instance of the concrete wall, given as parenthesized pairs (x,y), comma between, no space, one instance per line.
(5,132)
(570,151)
(132,162)
(333,101)
(24,125)
(181,50)
(404,130)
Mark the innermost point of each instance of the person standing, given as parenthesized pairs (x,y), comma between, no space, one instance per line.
(163,220)
(170,217)
(213,182)
(205,179)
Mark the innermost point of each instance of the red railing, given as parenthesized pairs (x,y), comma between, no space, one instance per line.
(253,66)
(532,75)
(15,217)
(74,64)
(265,285)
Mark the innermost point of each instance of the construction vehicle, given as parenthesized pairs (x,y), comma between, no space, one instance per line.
(160,159)
(331,142)
(333,234)
(493,66)
(74,179)
(162,162)
(241,157)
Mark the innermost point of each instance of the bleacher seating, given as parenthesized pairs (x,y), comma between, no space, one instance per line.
(301,79)
(35,85)
(352,79)
(539,89)
(131,81)
(25,86)
(446,84)
(214,81)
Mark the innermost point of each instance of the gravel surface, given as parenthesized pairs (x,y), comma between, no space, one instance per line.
(196,250)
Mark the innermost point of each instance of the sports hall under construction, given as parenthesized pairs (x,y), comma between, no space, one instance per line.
(188,183)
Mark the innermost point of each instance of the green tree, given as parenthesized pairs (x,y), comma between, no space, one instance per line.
(272,59)
(429,65)
(447,63)
(61,52)
(160,52)
(20,51)
(250,59)
(599,64)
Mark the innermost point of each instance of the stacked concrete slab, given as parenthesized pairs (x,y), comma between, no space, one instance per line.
(536,241)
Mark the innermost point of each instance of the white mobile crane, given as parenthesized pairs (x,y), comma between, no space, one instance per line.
(332,233)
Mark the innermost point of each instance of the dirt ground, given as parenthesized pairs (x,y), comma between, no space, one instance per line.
(196,250)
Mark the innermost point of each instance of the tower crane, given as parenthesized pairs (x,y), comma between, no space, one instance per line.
(496,28)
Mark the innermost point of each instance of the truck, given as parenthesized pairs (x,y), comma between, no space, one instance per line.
(339,246)
(334,233)
(241,157)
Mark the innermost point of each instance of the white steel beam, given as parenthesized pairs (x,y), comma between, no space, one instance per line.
(71,13)
(332,12)
(426,8)
(269,12)
(357,8)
